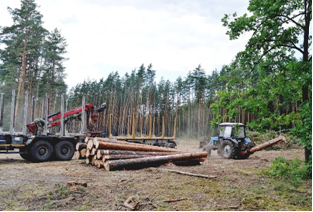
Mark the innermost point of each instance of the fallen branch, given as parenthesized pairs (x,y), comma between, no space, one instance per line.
(175,200)
(62,201)
(234,207)
(190,174)
(126,204)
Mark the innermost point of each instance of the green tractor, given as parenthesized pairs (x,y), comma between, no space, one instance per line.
(230,142)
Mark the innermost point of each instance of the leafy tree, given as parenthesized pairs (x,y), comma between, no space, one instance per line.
(276,27)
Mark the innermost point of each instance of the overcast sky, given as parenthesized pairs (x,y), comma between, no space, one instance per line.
(175,36)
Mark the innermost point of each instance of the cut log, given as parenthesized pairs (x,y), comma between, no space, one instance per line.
(102,152)
(116,164)
(83,153)
(111,140)
(93,151)
(80,146)
(137,147)
(87,160)
(76,155)
(265,145)
(114,157)
(87,153)
(90,144)
(99,163)
(93,159)
(87,139)
(189,160)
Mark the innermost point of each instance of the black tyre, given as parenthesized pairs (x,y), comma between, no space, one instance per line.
(246,147)
(26,157)
(208,149)
(41,151)
(243,156)
(171,145)
(64,150)
(227,149)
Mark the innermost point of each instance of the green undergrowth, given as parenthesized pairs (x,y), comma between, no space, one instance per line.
(258,138)
(290,172)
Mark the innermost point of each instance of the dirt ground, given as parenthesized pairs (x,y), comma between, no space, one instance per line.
(237,186)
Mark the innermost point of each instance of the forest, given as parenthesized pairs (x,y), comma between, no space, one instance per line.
(268,85)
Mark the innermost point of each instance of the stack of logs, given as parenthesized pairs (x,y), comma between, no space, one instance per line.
(112,155)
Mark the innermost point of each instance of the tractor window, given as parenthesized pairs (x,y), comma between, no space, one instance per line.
(239,131)
(225,132)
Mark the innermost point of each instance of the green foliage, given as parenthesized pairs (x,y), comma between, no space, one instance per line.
(303,130)
(63,191)
(266,80)
(289,171)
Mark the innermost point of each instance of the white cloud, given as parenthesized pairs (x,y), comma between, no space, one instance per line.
(105,36)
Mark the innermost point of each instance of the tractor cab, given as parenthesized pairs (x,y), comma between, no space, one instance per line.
(232,130)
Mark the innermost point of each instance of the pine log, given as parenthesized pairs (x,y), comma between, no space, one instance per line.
(76,155)
(265,145)
(93,151)
(113,157)
(102,152)
(99,163)
(113,141)
(116,164)
(87,153)
(93,159)
(87,139)
(194,161)
(88,160)
(129,146)
(90,144)
(80,146)
(83,153)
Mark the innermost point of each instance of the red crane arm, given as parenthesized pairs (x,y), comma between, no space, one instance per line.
(52,119)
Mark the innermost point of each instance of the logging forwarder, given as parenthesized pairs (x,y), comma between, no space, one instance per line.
(36,144)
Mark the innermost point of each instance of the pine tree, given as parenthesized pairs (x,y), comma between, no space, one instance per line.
(21,41)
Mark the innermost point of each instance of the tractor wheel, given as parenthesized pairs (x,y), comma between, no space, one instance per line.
(208,149)
(243,156)
(64,150)
(227,149)
(26,157)
(170,145)
(246,147)
(41,151)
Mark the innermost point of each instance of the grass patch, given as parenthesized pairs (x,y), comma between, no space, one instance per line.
(291,172)
(63,191)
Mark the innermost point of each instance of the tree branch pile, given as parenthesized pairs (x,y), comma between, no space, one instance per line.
(113,155)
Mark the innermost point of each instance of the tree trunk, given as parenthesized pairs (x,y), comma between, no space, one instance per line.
(305,88)
(111,165)
(142,147)
(21,81)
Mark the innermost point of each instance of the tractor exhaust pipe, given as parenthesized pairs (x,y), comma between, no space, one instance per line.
(265,145)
